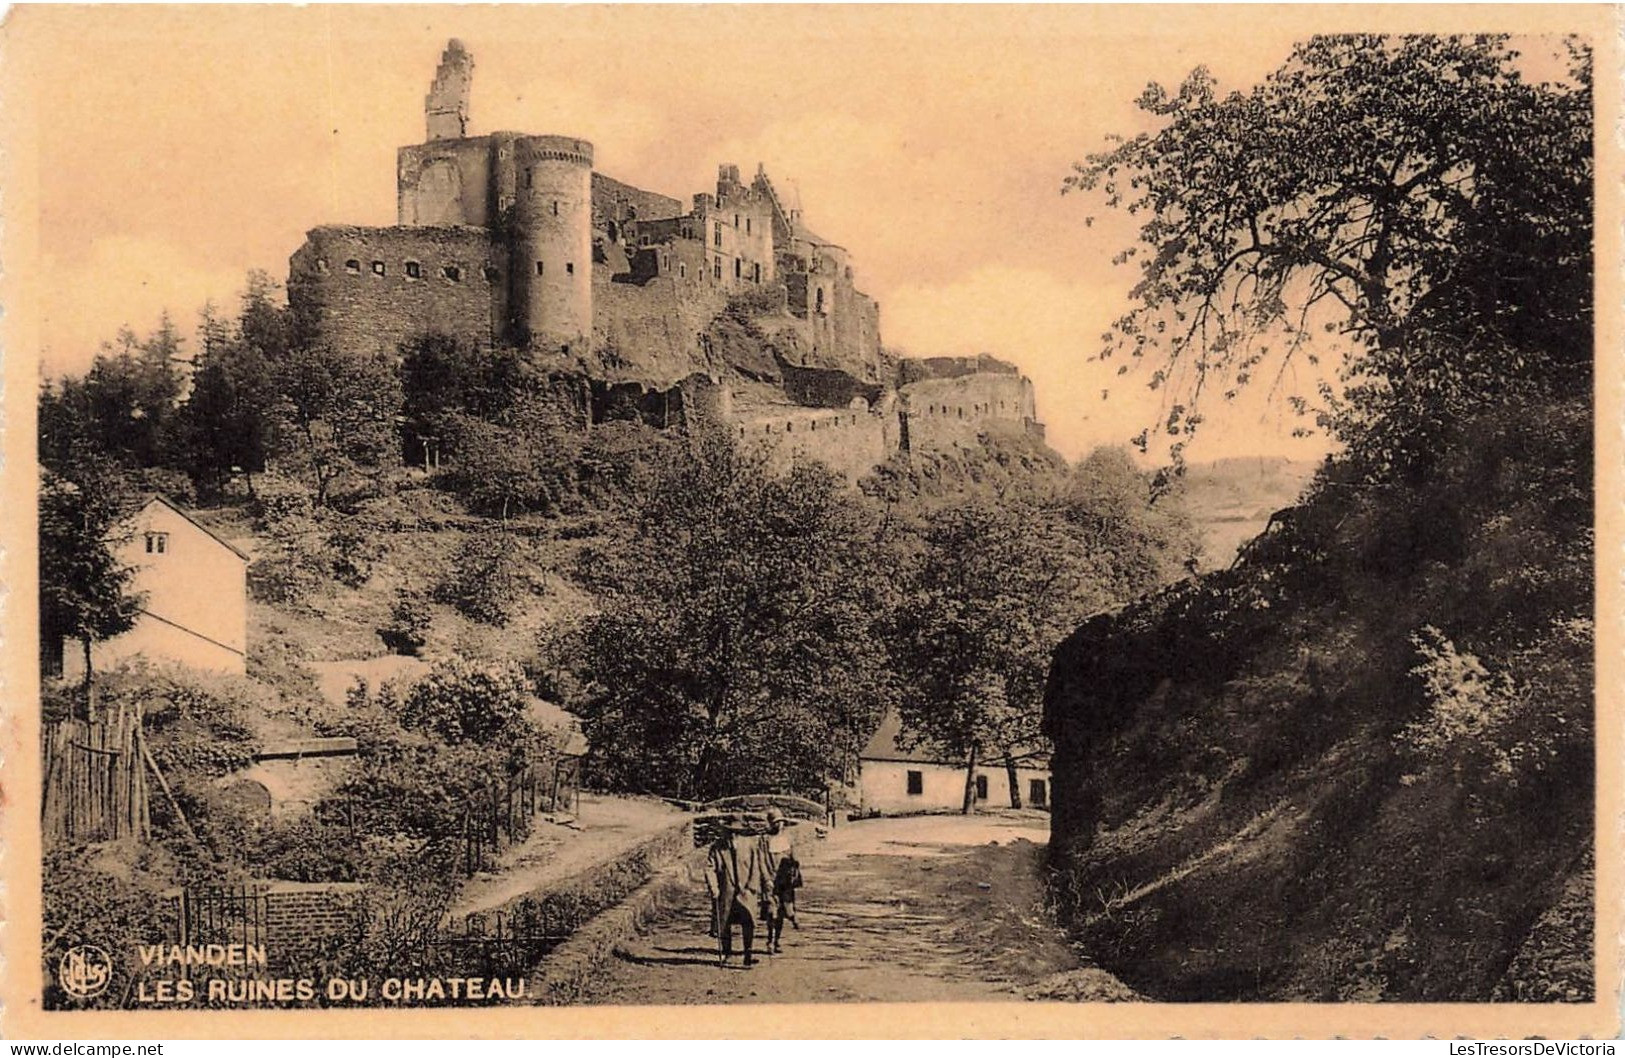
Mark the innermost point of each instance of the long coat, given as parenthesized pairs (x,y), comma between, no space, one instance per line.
(744,872)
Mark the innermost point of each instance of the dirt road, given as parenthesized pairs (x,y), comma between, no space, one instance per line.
(894,910)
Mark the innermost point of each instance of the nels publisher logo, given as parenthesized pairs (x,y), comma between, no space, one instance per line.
(85,971)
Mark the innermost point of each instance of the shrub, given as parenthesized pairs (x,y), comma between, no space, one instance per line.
(463,702)
(409,620)
(485,580)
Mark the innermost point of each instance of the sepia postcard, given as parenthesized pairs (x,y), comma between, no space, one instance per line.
(807,521)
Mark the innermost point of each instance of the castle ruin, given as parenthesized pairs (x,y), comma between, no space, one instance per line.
(733,304)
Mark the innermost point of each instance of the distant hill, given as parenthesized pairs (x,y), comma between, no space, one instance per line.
(1231,500)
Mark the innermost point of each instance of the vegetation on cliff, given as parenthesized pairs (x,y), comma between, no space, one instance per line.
(1358,764)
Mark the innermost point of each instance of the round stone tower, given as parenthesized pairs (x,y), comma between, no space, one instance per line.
(551,251)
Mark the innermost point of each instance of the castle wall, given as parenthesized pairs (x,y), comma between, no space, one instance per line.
(445,182)
(946,413)
(351,289)
(647,325)
(615,201)
(849,441)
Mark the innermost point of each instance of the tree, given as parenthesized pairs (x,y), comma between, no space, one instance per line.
(335,417)
(1415,195)
(124,406)
(84,587)
(998,585)
(736,646)
(1133,527)
(225,424)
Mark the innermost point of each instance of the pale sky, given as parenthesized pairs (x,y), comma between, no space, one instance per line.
(179,148)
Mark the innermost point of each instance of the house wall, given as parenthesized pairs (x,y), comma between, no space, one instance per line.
(884,786)
(196,608)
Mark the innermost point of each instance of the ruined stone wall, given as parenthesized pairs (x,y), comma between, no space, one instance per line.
(615,201)
(944,413)
(353,290)
(647,324)
(918,369)
(446,182)
(850,441)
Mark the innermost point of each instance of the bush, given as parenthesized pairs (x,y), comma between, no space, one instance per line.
(463,702)
(485,579)
(409,620)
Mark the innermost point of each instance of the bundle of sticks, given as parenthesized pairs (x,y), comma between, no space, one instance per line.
(709,828)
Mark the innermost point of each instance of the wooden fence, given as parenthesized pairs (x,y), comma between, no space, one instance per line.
(95,781)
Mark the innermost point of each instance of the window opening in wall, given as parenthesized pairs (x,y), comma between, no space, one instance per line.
(414,270)
(682,270)
(819,307)
(756,272)
(569,268)
(981,787)
(1037,794)
(157,543)
(716,236)
(378,268)
(961,411)
(916,783)
(716,268)
(555,207)
(739,268)
(453,273)
(527,178)
(538,268)
(747,225)
(353,266)
(491,274)
(736,220)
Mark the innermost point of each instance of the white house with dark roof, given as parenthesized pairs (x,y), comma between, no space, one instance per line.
(894,780)
(195,587)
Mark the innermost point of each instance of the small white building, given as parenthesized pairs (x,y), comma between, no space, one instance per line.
(897,781)
(195,607)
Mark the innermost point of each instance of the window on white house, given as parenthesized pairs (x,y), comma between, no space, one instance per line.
(157,543)
(1037,793)
(916,783)
(981,787)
